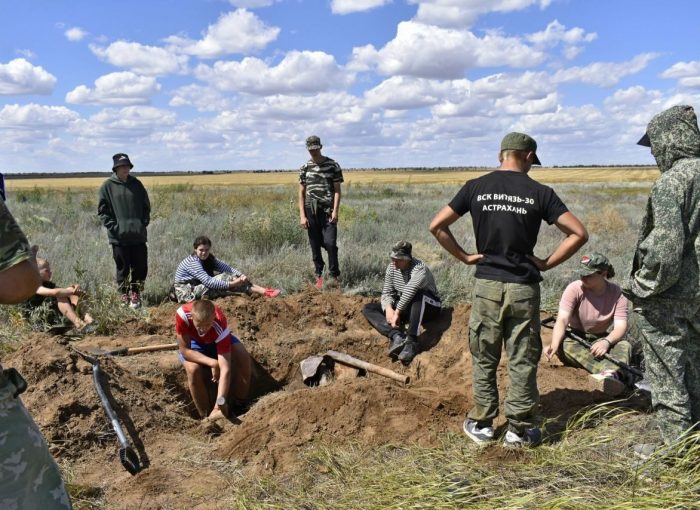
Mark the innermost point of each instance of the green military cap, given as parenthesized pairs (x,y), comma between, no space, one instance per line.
(313,142)
(594,262)
(520,142)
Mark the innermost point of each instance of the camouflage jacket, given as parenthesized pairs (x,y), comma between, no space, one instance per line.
(665,265)
(319,181)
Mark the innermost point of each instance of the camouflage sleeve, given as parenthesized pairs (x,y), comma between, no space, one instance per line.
(659,254)
(302,175)
(14,247)
(338,174)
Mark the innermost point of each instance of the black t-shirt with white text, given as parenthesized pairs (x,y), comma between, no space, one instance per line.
(507,209)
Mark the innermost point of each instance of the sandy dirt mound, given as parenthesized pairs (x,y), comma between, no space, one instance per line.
(150,395)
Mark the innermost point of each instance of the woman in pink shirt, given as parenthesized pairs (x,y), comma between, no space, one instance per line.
(589,307)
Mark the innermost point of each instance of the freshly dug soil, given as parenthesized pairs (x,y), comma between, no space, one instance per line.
(186,464)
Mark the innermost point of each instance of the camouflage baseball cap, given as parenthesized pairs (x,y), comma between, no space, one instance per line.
(520,142)
(313,142)
(594,262)
(401,250)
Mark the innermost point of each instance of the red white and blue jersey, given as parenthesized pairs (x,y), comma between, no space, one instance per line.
(218,334)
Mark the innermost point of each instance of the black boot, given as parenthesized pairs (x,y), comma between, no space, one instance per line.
(396,345)
(409,351)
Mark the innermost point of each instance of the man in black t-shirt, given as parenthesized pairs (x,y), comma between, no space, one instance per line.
(507,209)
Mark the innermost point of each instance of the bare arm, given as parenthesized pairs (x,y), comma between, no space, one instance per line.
(19,282)
(336,202)
(601,347)
(224,362)
(73,290)
(576,236)
(440,228)
(302,213)
(558,332)
(194,356)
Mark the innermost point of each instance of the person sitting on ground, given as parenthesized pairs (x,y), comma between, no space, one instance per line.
(195,277)
(589,307)
(210,352)
(409,295)
(52,306)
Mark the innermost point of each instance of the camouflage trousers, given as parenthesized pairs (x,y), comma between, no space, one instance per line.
(505,315)
(186,292)
(29,477)
(671,345)
(573,354)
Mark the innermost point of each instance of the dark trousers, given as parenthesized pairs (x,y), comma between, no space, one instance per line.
(323,233)
(132,266)
(424,308)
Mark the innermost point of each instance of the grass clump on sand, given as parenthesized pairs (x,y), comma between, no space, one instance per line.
(590,464)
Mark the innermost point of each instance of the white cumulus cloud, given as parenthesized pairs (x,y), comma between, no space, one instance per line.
(239,31)
(348,6)
(604,74)
(298,72)
(19,77)
(204,99)
(407,93)
(34,116)
(432,52)
(556,34)
(130,123)
(75,34)
(123,88)
(142,59)
(687,73)
(464,13)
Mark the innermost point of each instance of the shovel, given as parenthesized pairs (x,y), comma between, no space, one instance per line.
(125,351)
(127,455)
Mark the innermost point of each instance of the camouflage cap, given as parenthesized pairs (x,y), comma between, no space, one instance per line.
(313,142)
(401,250)
(121,159)
(520,142)
(594,262)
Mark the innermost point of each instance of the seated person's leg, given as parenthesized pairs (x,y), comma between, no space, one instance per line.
(197,383)
(423,309)
(375,316)
(573,354)
(66,308)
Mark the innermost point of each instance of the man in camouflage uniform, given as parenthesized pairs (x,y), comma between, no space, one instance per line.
(663,284)
(29,477)
(319,205)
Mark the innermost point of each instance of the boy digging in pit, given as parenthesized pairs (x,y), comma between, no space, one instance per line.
(210,353)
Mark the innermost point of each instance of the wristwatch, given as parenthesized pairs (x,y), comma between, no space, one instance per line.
(221,401)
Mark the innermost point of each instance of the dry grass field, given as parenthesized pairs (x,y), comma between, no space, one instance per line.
(547,175)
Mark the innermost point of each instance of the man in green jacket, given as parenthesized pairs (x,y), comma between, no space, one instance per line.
(664,283)
(125,211)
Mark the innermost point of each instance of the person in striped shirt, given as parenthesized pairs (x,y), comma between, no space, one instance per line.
(195,277)
(409,297)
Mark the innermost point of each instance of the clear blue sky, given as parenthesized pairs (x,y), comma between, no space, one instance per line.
(239,84)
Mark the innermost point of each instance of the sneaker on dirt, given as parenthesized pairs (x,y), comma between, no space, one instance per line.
(271,292)
(476,433)
(397,342)
(319,282)
(409,351)
(531,437)
(126,300)
(135,300)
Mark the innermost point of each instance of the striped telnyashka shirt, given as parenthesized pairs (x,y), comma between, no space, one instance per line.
(191,269)
(319,180)
(400,287)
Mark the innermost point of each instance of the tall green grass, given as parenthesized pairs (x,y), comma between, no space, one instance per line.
(257,231)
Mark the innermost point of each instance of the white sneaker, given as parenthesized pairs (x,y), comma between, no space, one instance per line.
(479,435)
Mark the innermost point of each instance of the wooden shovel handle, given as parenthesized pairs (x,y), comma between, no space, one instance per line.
(152,348)
(346,359)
